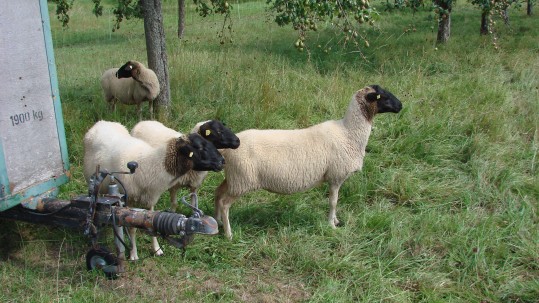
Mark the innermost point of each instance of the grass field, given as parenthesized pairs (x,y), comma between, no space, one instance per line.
(444,210)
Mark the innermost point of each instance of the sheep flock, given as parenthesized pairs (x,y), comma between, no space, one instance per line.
(276,160)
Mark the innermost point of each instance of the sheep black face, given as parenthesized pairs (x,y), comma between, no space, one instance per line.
(203,154)
(218,134)
(385,101)
(127,70)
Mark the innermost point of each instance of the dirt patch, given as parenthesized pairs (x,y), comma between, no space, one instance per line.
(156,281)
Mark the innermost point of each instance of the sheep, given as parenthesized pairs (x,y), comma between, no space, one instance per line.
(110,145)
(289,161)
(132,83)
(154,133)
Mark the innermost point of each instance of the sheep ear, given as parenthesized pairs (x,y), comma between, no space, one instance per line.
(184,163)
(183,148)
(186,151)
(373,97)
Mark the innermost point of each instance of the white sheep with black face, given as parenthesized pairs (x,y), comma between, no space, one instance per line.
(155,133)
(109,145)
(290,161)
(133,83)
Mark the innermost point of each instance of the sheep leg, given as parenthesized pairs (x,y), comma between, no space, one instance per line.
(139,106)
(219,193)
(333,198)
(111,104)
(133,255)
(225,207)
(155,245)
(150,104)
(173,198)
(223,201)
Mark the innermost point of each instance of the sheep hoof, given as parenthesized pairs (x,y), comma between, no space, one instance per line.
(133,258)
(159,252)
(334,223)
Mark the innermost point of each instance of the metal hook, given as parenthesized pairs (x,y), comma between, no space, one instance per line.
(197,212)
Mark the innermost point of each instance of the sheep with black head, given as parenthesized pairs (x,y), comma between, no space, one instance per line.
(132,84)
(290,161)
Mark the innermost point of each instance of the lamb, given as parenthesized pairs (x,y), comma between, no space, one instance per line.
(132,83)
(110,145)
(155,133)
(289,161)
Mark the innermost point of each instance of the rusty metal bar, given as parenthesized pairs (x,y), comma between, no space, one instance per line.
(73,213)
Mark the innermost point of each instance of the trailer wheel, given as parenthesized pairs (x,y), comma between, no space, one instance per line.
(102,259)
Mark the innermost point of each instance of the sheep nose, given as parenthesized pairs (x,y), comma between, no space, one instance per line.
(236,143)
(220,164)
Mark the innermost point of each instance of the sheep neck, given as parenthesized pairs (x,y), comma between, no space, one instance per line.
(145,78)
(358,117)
(175,164)
(359,112)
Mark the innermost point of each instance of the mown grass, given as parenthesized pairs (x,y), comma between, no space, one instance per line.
(444,210)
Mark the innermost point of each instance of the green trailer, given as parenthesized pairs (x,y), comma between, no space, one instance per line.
(34,155)
(33,150)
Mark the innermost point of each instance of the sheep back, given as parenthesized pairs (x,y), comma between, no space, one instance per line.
(153,132)
(289,161)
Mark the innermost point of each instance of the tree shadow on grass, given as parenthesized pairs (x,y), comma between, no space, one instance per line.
(9,237)
(40,248)
(89,38)
(282,212)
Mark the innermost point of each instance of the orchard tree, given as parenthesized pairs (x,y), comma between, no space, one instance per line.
(154,33)
(181,18)
(489,9)
(303,15)
(156,51)
(443,10)
(486,7)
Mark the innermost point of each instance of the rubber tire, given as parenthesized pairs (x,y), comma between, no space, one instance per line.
(102,259)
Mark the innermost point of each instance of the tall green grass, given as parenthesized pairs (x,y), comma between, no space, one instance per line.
(444,210)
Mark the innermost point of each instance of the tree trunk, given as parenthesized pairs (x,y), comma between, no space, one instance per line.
(484,23)
(505,16)
(156,52)
(530,8)
(181,18)
(444,27)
